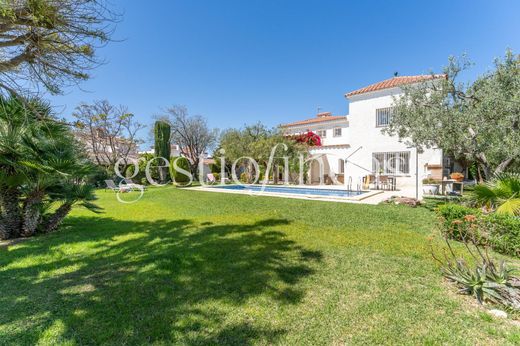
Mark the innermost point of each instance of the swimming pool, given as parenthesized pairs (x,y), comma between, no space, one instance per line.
(290,190)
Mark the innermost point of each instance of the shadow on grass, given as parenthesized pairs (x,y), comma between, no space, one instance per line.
(140,282)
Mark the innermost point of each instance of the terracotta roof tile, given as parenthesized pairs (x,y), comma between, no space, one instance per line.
(394,82)
(316,120)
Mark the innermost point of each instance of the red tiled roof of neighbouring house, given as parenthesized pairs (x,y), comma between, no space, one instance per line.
(321,118)
(395,82)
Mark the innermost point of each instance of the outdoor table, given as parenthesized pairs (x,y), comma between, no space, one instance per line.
(451,182)
(392,180)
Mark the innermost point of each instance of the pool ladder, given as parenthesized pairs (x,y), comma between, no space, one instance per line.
(358,185)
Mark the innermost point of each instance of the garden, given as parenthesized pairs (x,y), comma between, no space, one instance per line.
(189,267)
(85,261)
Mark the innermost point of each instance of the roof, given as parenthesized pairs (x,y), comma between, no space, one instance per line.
(395,82)
(331,146)
(319,119)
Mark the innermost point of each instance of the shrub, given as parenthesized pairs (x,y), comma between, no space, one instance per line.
(217,177)
(141,173)
(98,176)
(215,168)
(451,214)
(176,176)
(261,175)
(244,177)
(430,181)
(502,233)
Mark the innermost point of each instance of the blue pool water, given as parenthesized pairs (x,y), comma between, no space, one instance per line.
(291,190)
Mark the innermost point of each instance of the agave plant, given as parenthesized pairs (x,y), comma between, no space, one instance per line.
(501,194)
(482,277)
(485,281)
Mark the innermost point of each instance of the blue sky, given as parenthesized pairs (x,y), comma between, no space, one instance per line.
(275,61)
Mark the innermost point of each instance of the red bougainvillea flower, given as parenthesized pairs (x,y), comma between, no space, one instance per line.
(310,138)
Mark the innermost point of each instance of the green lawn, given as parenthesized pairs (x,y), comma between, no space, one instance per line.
(188,267)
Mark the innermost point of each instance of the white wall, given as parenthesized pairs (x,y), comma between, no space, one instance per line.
(328,127)
(365,134)
(333,148)
(330,139)
(332,156)
(360,135)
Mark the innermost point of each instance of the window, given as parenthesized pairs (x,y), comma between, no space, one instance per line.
(391,163)
(322,133)
(383,116)
(341,166)
(337,132)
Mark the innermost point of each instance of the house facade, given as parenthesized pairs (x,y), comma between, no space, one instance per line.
(354,146)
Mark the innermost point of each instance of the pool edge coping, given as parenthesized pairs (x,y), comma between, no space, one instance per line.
(353,199)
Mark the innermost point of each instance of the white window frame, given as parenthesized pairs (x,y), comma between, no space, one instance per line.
(334,132)
(341,166)
(322,133)
(383,116)
(392,162)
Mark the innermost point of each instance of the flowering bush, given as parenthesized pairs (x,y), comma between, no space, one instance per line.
(500,232)
(310,138)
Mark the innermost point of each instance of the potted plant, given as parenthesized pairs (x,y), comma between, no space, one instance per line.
(457,176)
(430,186)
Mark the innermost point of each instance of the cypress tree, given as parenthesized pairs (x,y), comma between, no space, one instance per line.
(162,132)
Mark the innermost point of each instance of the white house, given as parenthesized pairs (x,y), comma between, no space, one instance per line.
(335,144)
(353,146)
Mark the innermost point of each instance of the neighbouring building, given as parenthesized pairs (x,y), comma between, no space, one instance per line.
(175,151)
(104,149)
(353,146)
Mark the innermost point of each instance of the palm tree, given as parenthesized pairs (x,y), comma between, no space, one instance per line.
(501,194)
(38,155)
(14,135)
(70,195)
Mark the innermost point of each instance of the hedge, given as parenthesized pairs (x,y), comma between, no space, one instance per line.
(503,233)
(500,232)
(176,176)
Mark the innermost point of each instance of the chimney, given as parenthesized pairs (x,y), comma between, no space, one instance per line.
(324,114)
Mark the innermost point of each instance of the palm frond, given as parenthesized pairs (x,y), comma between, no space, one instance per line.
(502,193)
(510,207)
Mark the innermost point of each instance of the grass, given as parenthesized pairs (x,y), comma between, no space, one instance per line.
(188,267)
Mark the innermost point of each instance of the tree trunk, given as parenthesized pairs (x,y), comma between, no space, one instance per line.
(56,219)
(163,174)
(486,172)
(11,213)
(503,165)
(479,175)
(31,214)
(195,169)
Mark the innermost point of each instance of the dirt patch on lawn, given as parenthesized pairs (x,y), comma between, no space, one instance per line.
(6,243)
